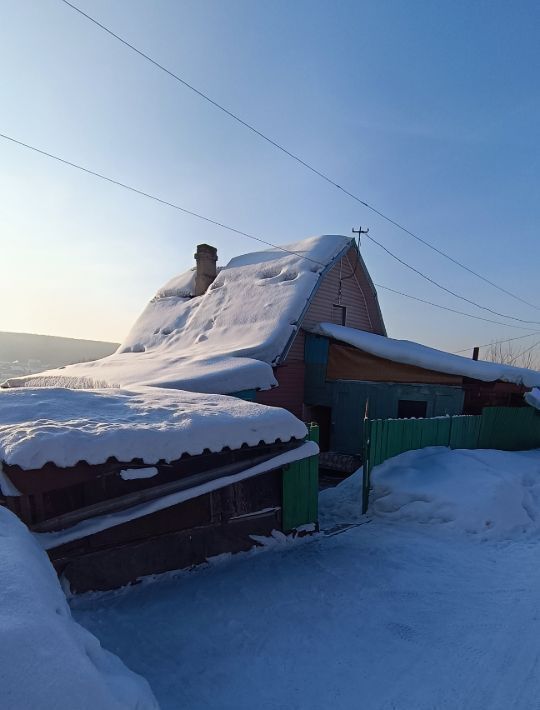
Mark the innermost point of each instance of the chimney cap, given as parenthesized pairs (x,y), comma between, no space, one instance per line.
(207,250)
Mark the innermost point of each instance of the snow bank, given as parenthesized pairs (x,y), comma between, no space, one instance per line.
(341,505)
(66,426)
(481,492)
(223,341)
(410,353)
(533,398)
(46,659)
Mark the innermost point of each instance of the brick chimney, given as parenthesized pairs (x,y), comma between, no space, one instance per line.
(206,258)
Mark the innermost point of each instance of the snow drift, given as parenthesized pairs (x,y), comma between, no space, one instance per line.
(47,660)
(481,492)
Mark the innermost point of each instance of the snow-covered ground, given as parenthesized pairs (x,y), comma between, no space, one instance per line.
(432,601)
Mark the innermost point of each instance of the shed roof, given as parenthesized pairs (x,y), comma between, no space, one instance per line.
(64,426)
(409,353)
(223,341)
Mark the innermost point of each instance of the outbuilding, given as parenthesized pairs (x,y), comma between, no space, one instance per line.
(117,484)
(352,375)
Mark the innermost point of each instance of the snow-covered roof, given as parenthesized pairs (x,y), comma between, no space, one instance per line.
(47,660)
(223,341)
(409,353)
(533,398)
(66,426)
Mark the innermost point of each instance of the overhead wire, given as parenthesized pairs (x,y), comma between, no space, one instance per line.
(154,197)
(220,224)
(496,342)
(447,308)
(299,160)
(444,288)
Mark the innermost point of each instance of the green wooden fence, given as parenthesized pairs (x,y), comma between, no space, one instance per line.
(504,428)
(301,489)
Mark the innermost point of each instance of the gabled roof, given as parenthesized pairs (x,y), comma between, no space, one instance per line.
(221,342)
(409,353)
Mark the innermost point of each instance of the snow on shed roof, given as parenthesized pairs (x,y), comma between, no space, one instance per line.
(533,398)
(409,353)
(66,426)
(223,341)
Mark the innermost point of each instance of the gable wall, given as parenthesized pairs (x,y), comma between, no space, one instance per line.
(352,296)
(362,313)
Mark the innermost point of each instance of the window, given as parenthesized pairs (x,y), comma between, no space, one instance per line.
(339,314)
(411,408)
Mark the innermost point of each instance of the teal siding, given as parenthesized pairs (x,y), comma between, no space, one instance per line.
(348,398)
(248,395)
(316,389)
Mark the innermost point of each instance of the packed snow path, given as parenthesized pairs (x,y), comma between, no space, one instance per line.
(389,615)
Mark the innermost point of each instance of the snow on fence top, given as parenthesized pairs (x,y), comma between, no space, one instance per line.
(46,658)
(223,341)
(66,426)
(409,353)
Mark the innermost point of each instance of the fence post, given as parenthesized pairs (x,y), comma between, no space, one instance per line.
(366,467)
(300,488)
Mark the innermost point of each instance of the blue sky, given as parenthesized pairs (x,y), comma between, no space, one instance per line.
(427,110)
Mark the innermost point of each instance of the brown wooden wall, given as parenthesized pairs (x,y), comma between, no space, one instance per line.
(348,363)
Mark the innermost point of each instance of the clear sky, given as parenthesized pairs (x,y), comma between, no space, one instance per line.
(428,110)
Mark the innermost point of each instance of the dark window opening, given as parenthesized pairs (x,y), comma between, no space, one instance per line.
(340,314)
(322,416)
(411,409)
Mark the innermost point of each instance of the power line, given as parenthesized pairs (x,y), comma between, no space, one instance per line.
(496,342)
(452,310)
(222,225)
(297,158)
(444,288)
(155,198)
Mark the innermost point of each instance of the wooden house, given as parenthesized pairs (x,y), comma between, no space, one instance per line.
(252,329)
(238,330)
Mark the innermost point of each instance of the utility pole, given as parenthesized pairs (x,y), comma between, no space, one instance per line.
(360,231)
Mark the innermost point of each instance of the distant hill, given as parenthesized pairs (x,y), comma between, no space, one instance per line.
(25,353)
